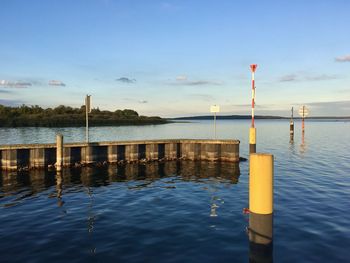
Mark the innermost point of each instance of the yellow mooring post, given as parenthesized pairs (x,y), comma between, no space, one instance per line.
(252,140)
(261,183)
(261,207)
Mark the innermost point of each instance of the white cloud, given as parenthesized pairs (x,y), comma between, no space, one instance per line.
(306,77)
(184,81)
(56,83)
(14,84)
(181,78)
(345,58)
(320,77)
(290,77)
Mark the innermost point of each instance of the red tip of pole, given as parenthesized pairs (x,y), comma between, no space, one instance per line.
(253,67)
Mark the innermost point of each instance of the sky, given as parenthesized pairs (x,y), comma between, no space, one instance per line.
(177,58)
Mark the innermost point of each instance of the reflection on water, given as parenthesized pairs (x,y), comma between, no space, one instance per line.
(123,213)
(59,188)
(161,212)
(291,139)
(15,184)
(23,185)
(303,144)
(215,200)
(260,238)
(91,219)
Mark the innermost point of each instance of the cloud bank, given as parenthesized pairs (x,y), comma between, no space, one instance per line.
(325,108)
(11,103)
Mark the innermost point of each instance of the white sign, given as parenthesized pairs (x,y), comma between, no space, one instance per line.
(303,111)
(214,108)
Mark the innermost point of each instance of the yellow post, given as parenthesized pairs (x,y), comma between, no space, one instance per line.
(59,152)
(252,140)
(261,183)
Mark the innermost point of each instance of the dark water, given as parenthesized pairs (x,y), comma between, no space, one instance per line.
(183,211)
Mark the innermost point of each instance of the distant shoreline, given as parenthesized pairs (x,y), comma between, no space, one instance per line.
(259,117)
(65,116)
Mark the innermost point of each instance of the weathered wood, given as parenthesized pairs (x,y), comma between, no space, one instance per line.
(41,155)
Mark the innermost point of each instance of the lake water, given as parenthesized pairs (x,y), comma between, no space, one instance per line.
(180,211)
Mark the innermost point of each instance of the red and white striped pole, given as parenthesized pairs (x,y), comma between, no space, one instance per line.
(253,68)
(252,130)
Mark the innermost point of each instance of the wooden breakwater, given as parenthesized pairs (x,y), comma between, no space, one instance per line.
(30,156)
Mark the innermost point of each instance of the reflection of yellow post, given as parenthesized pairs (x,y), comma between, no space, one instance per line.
(260,238)
(59,181)
(261,183)
(252,140)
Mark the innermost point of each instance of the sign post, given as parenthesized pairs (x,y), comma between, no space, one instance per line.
(214,109)
(87,111)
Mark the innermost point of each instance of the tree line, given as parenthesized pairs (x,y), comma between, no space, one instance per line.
(65,116)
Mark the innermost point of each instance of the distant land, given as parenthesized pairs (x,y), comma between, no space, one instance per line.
(65,116)
(246,117)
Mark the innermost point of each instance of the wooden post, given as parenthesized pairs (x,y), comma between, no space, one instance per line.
(59,152)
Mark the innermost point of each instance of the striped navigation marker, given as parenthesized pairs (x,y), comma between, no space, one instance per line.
(252,130)
(291,126)
(253,68)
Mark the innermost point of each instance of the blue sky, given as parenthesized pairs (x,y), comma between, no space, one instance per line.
(176,58)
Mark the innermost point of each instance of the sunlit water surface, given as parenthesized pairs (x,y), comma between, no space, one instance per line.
(180,211)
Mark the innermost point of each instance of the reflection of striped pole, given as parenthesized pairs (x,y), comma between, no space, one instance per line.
(303,121)
(252,131)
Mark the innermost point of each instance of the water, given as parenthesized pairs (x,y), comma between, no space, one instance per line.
(180,211)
